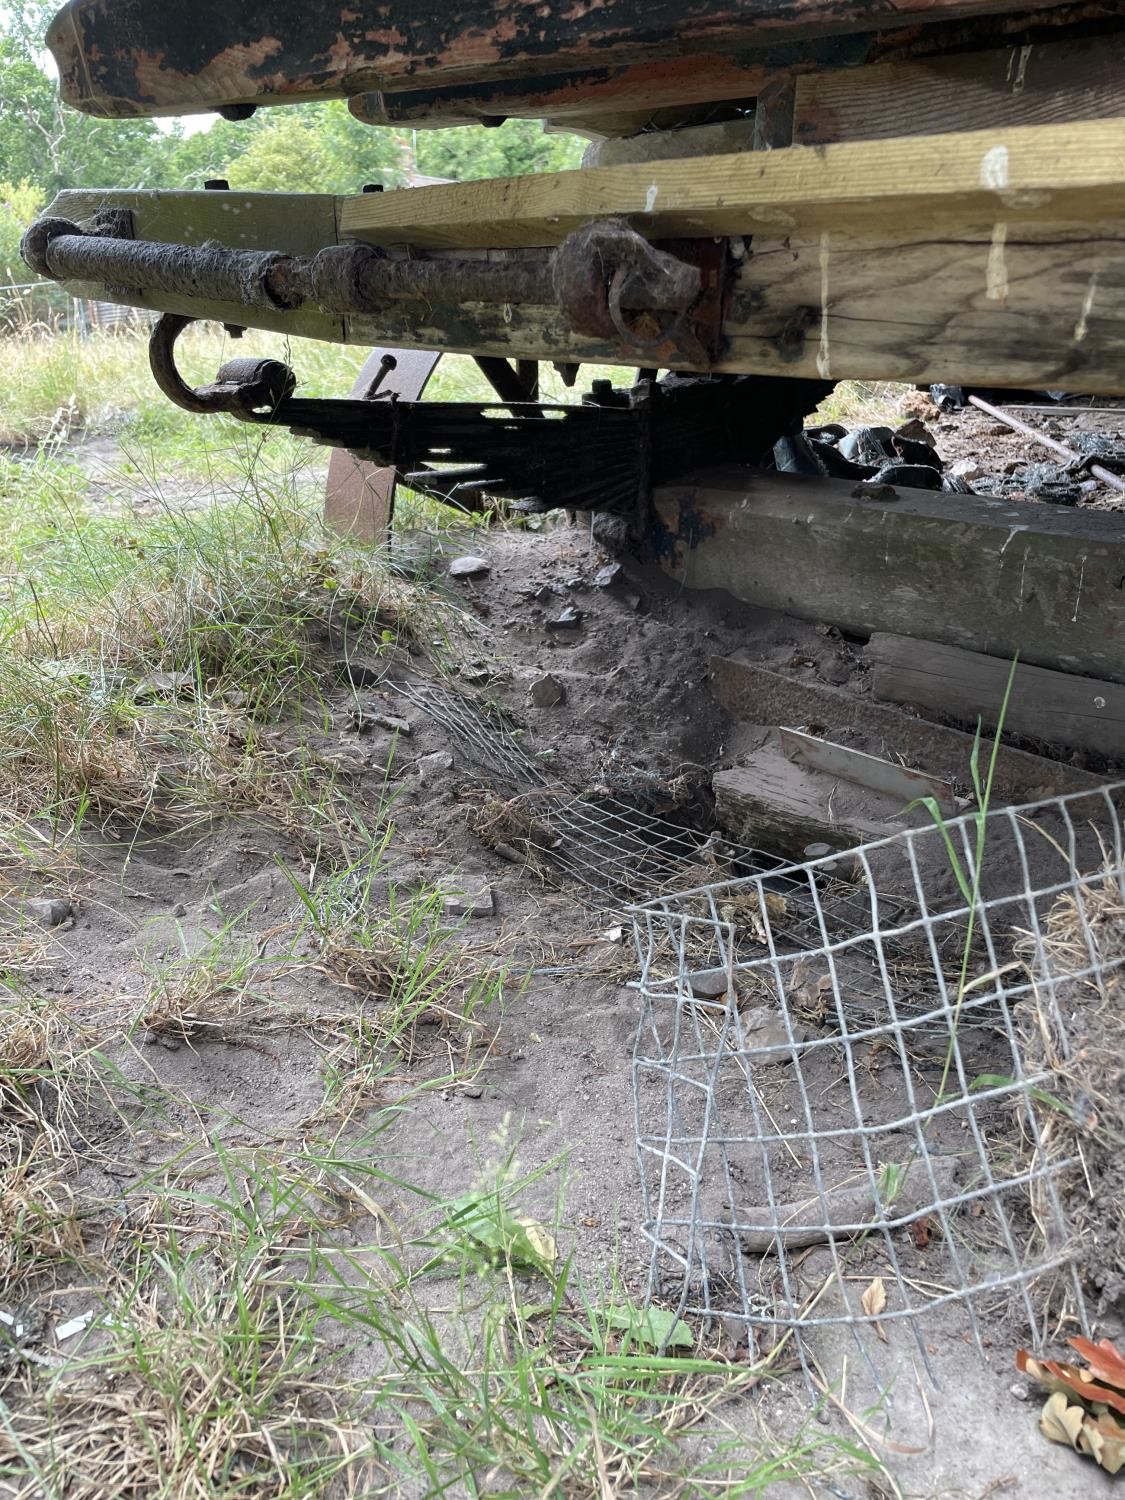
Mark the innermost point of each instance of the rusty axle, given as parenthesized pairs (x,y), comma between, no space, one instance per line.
(597,277)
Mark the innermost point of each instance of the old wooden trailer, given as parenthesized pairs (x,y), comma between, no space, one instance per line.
(779,194)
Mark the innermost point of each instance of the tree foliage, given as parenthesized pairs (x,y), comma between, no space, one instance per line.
(295,148)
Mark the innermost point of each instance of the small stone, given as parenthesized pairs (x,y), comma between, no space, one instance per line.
(505,851)
(818,851)
(479,902)
(569,619)
(471,1090)
(361,721)
(917,432)
(1020,1391)
(469,567)
(547,692)
(708,984)
(48,911)
(429,766)
(401,727)
(606,577)
(764,1027)
(356,672)
(965,468)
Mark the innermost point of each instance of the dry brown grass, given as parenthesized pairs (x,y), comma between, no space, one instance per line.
(1075,1033)
(200,1389)
(517,824)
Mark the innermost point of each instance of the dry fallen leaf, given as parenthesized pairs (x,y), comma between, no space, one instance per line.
(922,1231)
(1100,1437)
(874,1299)
(1069,1379)
(1086,1407)
(1104,1361)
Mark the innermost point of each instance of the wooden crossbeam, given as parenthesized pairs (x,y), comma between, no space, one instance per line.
(1031,174)
(1055,707)
(1079,78)
(989,575)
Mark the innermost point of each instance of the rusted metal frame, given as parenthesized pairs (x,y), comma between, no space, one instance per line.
(136,58)
(339,279)
(359,496)
(1074,459)
(251,389)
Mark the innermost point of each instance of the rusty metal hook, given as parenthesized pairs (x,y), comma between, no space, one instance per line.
(250,389)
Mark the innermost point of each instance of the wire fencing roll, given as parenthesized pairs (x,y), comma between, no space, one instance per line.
(855,1123)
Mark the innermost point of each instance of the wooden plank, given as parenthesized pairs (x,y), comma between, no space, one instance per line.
(1006,304)
(1056,707)
(989,575)
(1025,175)
(134,58)
(1046,84)
(624,98)
(769,803)
(759,696)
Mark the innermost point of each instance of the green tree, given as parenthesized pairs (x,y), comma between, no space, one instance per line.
(44,142)
(316,148)
(513,149)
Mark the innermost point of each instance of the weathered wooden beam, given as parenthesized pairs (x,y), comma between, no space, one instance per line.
(997,302)
(1027,175)
(1082,713)
(134,57)
(769,803)
(759,696)
(1049,83)
(623,98)
(1007,304)
(989,575)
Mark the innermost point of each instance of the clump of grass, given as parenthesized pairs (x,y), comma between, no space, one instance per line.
(211,1381)
(148,662)
(395,949)
(45,1078)
(1075,1035)
(863,403)
(517,824)
(203,995)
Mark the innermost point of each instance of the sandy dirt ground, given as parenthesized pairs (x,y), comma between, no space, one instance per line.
(550,1068)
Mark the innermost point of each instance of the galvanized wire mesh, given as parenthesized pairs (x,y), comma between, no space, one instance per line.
(831,1085)
(613,851)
